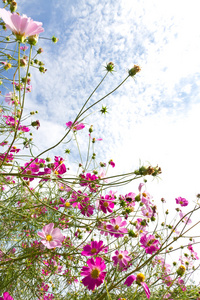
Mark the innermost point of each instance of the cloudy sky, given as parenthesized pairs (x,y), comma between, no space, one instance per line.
(154,118)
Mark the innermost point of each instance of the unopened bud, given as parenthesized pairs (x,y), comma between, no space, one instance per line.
(23,62)
(181,270)
(33,39)
(40,50)
(110,66)
(13,6)
(134,70)
(42,69)
(54,39)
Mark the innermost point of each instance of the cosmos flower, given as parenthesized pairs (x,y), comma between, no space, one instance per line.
(6,296)
(121,258)
(21,26)
(51,237)
(117,228)
(94,248)
(76,126)
(140,281)
(181,201)
(149,243)
(94,275)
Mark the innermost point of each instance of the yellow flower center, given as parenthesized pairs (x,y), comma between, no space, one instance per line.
(28,172)
(105,204)
(49,237)
(120,256)
(95,273)
(144,194)
(140,277)
(94,250)
(116,227)
(67,204)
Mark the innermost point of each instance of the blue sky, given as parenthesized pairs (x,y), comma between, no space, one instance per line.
(154,118)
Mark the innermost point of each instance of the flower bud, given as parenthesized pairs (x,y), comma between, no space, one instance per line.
(40,50)
(132,234)
(36,124)
(91,129)
(137,198)
(181,270)
(42,69)
(134,70)
(54,39)
(23,62)
(33,39)
(110,66)
(13,6)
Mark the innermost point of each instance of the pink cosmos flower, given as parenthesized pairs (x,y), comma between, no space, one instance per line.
(76,126)
(106,204)
(141,225)
(90,181)
(6,296)
(94,248)
(23,48)
(139,280)
(21,26)
(103,227)
(11,99)
(121,258)
(184,218)
(149,243)
(147,211)
(51,237)
(94,275)
(181,201)
(117,228)
(130,199)
(85,207)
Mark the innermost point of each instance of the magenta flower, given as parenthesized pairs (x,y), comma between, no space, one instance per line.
(94,248)
(6,296)
(76,126)
(140,281)
(117,228)
(51,237)
(94,275)
(21,26)
(121,258)
(130,199)
(181,201)
(111,162)
(149,243)
(106,205)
